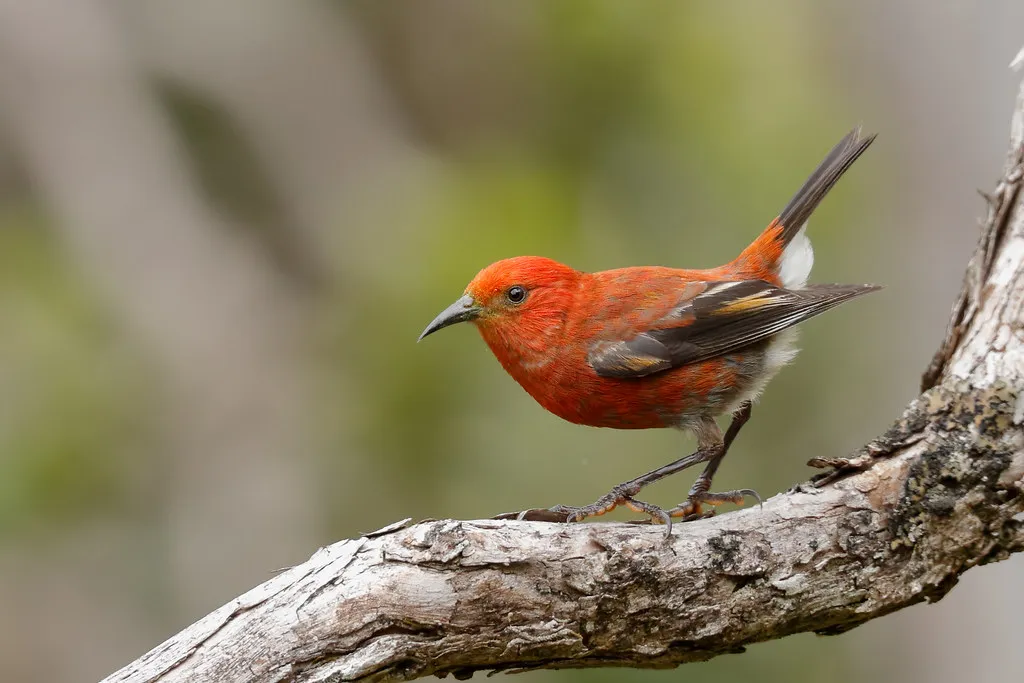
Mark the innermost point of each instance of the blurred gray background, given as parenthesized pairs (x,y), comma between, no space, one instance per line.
(223,223)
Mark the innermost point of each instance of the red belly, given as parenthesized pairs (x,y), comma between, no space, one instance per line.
(674,398)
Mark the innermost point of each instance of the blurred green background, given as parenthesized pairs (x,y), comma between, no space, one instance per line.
(223,223)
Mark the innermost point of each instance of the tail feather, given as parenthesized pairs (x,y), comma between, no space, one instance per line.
(782,253)
(814,189)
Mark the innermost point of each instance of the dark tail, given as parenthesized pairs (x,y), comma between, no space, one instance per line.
(814,189)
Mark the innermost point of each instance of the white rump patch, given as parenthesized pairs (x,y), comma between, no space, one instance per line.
(797,259)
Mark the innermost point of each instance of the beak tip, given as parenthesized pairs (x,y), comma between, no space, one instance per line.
(462,310)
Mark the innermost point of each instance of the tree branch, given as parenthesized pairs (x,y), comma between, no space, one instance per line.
(896,524)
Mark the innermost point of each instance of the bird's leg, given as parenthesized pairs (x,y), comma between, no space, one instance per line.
(624,492)
(700,492)
(711,448)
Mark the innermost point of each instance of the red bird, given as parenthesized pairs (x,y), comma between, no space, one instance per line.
(644,347)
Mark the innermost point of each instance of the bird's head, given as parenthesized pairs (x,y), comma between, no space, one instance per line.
(514,301)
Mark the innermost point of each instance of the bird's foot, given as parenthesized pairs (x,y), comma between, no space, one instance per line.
(693,508)
(572,513)
(620,495)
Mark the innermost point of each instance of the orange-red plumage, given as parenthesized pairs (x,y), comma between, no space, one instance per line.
(544,344)
(651,346)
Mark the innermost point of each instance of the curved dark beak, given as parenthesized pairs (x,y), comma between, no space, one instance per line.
(462,310)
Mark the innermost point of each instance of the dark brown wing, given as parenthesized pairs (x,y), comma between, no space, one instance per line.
(725,317)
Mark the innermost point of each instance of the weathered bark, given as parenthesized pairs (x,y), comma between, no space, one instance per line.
(939,492)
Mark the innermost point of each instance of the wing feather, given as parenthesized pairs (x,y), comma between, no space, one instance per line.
(724,317)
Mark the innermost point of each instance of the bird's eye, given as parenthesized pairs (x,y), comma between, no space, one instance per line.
(516,294)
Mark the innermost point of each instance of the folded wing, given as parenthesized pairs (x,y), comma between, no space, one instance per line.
(723,317)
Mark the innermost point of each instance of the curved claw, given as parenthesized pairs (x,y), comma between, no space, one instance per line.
(753,494)
(569,513)
(655,512)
